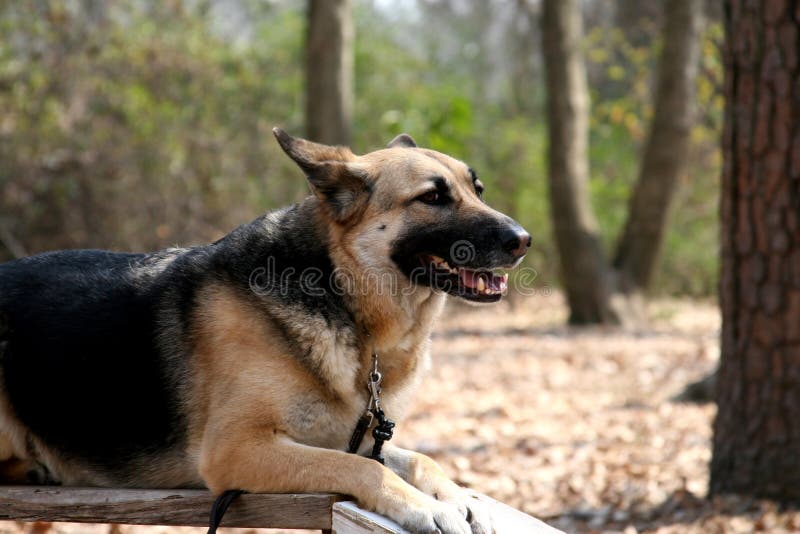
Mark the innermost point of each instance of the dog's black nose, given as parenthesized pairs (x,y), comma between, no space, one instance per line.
(516,241)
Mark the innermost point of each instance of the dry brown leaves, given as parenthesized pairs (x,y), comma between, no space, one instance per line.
(575,426)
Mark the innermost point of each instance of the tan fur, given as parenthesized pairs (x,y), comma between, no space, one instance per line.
(15,471)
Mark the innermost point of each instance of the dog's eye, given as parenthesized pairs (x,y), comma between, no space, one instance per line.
(432,197)
(479,190)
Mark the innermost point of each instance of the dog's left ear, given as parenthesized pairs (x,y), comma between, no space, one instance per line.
(402,141)
(332,172)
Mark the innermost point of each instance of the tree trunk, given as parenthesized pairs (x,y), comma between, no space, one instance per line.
(667,148)
(756,435)
(584,270)
(329,71)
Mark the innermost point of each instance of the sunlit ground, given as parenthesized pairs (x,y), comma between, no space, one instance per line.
(574,426)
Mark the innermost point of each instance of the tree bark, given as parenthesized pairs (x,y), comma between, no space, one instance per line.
(667,148)
(584,270)
(329,71)
(756,435)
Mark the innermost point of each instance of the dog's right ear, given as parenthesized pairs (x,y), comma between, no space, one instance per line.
(332,172)
(402,141)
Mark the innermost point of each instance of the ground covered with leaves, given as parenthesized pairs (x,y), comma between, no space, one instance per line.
(578,426)
(575,426)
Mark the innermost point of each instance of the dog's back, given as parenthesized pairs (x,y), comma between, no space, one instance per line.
(80,366)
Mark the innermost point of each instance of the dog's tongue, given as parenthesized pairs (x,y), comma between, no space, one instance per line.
(470,278)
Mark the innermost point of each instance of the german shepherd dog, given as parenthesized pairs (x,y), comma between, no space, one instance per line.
(243,364)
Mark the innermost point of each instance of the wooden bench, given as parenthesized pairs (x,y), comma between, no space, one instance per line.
(326,512)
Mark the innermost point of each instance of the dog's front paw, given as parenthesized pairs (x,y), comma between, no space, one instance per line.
(432,517)
(473,510)
(478,515)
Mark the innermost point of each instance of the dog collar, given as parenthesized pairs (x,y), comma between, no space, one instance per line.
(384,430)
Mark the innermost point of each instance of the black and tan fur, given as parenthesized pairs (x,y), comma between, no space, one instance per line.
(241,364)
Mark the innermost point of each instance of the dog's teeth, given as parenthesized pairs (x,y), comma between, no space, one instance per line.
(481,285)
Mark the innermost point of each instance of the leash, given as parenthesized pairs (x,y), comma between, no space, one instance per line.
(384,430)
(219,508)
(382,433)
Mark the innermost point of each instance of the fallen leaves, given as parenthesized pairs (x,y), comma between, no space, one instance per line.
(577,426)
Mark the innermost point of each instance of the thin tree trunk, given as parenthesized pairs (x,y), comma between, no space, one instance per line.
(667,148)
(583,264)
(329,71)
(756,432)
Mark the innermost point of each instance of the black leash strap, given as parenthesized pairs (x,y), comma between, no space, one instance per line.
(382,433)
(220,507)
(360,431)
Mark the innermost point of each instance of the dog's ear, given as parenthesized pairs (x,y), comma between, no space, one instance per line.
(334,175)
(308,154)
(402,141)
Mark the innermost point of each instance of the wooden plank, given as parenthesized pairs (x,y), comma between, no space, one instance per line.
(163,507)
(508,520)
(192,508)
(348,518)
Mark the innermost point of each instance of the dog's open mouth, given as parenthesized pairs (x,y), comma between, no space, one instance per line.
(470,284)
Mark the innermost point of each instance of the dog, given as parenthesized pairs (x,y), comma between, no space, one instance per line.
(244,364)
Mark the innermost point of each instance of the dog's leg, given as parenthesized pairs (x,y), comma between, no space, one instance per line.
(426,475)
(262,460)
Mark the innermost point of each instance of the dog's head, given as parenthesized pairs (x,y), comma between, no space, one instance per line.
(413,212)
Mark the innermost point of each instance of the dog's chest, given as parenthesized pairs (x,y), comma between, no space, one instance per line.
(316,421)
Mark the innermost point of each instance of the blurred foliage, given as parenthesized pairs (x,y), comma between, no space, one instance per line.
(138,124)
